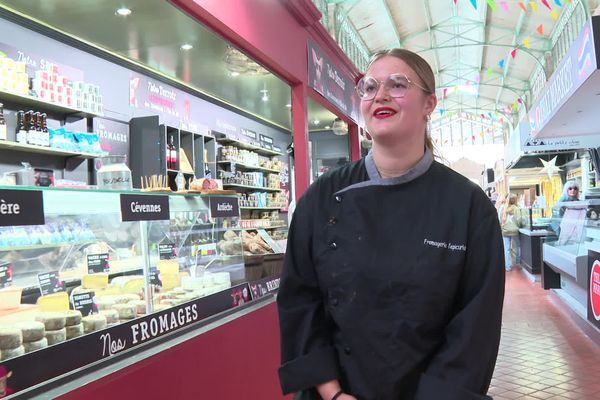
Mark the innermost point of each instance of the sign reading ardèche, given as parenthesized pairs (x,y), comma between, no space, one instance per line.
(140,207)
(224,207)
(21,207)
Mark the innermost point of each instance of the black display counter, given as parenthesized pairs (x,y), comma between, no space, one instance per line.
(531,248)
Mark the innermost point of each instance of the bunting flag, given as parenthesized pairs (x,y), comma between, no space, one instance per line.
(558,3)
(445,93)
(474,4)
(490,114)
(545,2)
(501,63)
(490,72)
(455,1)
(477,78)
(523,6)
(554,14)
(504,5)
(533,6)
(482,115)
(513,53)
(492,4)
(450,114)
(540,29)
(519,100)
(526,43)
(442,111)
(473,138)
(468,83)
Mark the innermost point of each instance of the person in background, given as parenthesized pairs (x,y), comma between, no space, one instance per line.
(510,222)
(393,280)
(570,193)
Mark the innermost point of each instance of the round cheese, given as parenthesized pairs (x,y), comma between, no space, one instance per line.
(169,302)
(140,306)
(104,303)
(72,317)
(74,331)
(36,345)
(56,336)
(52,320)
(10,338)
(5,354)
(93,323)
(112,316)
(126,311)
(192,283)
(32,331)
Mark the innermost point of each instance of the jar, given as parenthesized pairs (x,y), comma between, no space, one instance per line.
(114,174)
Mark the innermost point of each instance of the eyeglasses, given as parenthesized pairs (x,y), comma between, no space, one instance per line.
(396,85)
(573,188)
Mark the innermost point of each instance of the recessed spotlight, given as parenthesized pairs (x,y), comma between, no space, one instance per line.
(123,11)
(327,127)
(186,47)
(234,74)
(265,97)
(288,105)
(316,122)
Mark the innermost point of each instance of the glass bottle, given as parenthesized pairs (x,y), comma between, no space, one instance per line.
(3,133)
(30,125)
(44,134)
(172,154)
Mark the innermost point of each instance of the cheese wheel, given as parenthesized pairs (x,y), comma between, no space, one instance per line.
(93,323)
(112,316)
(52,320)
(126,311)
(178,291)
(105,304)
(56,336)
(192,283)
(129,284)
(74,331)
(54,302)
(32,331)
(72,317)
(126,298)
(10,338)
(35,345)
(5,354)
(140,306)
(169,302)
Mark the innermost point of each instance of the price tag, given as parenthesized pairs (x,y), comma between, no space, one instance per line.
(98,263)
(6,275)
(85,302)
(155,277)
(167,251)
(50,282)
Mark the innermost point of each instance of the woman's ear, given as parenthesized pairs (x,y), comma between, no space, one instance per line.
(430,103)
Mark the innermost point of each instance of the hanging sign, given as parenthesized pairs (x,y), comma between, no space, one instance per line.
(224,207)
(140,207)
(21,207)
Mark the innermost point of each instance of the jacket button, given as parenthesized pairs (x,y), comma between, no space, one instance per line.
(334,301)
(333,245)
(332,221)
(347,350)
(338,199)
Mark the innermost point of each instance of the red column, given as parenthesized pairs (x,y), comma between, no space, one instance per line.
(354,139)
(300,134)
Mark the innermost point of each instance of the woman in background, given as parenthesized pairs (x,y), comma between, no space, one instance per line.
(510,221)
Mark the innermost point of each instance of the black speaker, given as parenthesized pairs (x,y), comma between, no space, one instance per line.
(489,175)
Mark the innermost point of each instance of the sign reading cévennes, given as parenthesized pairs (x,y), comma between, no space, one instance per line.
(141,207)
(224,207)
(594,288)
(21,207)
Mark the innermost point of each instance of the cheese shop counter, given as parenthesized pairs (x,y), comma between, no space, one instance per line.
(84,280)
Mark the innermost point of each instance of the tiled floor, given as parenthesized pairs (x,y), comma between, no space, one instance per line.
(543,353)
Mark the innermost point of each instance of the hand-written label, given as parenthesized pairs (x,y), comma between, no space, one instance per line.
(84,302)
(98,263)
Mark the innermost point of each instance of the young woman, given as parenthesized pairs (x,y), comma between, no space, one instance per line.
(510,221)
(393,280)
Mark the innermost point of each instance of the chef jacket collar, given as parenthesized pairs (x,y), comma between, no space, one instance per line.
(375,177)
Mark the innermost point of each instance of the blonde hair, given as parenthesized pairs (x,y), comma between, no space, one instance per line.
(424,73)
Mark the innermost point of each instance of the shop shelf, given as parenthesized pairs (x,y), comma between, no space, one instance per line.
(40,105)
(249,167)
(30,148)
(43,246)
(263,189)
(249,146)
(260,208)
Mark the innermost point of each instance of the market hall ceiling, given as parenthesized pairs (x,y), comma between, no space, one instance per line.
(484,52)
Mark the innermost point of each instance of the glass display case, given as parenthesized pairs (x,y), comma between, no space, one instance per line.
(96,261)
(535,219)
(577,229)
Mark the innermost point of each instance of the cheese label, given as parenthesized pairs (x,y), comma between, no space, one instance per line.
(98,263)
(144,207)
(167,251)
(6,275)
(224,207)
(85,302)
(21,207)
(155,277)
(50,282)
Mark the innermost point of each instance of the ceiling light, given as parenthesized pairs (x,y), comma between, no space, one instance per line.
(186,47)
(316,122)
(288,105)
(123,11)
(265,94)
(327,127)
(234,74)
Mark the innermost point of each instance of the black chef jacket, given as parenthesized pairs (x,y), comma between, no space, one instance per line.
(394,286)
